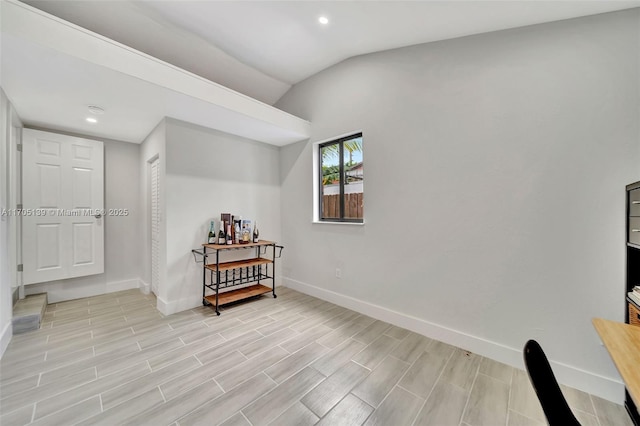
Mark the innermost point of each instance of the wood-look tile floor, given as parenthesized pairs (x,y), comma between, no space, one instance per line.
(295,360)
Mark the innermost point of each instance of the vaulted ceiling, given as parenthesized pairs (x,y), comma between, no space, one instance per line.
(219,64)
(261,48)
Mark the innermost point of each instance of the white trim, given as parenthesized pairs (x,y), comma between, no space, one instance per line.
(328,222)
(145,288)
(315,167)
(59,291)
(114,286)
(14,135)
(168,308)
(315,216)
(5,337)
(608,388)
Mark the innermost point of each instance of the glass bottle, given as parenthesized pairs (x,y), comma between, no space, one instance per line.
(256,233)
(222,238)
(246,234)
(229,237)
(212,235)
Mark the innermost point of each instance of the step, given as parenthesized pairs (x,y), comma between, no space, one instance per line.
(28,313)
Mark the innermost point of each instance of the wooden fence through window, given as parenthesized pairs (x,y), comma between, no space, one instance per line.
(352,206)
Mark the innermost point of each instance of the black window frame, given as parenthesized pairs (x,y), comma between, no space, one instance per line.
(340,141)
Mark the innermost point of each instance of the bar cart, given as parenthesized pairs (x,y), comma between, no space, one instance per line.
(225,275)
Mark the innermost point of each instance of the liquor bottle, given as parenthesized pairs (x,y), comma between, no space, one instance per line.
(212,235)
(237,231)
(229,237)
(222,238)
(246,235)
(256,233)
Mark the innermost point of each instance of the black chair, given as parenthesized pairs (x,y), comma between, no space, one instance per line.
(553,403)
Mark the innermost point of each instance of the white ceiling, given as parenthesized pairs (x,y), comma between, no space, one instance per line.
(52,71)
(257,48)
(260,48)
(53,90)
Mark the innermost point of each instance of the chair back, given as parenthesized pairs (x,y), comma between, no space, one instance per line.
(544,382)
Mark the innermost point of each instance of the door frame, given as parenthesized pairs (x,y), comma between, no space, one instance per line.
(14,146)
(154,289)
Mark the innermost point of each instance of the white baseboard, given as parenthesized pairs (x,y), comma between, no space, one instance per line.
(168,308)
(5,337)
(145,287)
(604,387)
(60,291)
(112,287)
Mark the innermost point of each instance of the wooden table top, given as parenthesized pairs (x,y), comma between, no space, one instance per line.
(623,343)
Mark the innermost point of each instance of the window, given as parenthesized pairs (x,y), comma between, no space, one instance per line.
(341,180)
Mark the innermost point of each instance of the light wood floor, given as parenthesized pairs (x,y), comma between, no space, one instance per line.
(295,360)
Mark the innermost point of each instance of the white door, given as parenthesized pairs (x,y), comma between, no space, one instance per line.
(155,225)
(63,206)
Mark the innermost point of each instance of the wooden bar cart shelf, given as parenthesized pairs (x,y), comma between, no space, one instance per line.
(218,278)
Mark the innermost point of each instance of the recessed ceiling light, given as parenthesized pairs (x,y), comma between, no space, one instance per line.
(323,20)
(91,120)
(94,109)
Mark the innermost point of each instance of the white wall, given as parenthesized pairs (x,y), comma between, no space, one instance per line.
(122,233)
(495,168)
(208,173)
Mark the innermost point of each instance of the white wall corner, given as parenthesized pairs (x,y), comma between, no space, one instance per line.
(171,307)
(604,387)
(5,337)
(145,287)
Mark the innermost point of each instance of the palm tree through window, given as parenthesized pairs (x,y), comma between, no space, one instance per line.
(342,180)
